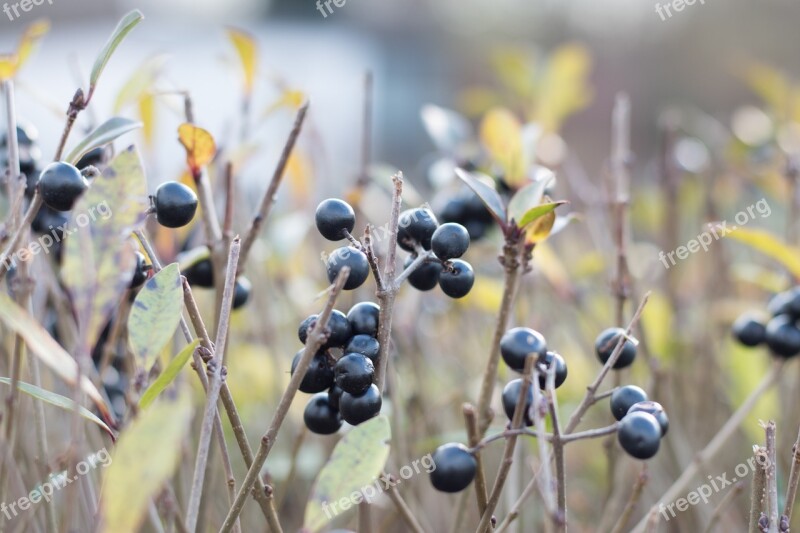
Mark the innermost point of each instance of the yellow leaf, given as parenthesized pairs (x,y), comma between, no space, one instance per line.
(771,246)
(11,63)
(540,228)
(564,89)
(199,145)
(145,457)
(147,115)
(501,134)
(248,54)
(290,99)
(140,82)
(515,68)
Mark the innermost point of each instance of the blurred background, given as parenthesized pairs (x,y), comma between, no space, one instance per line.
(715,122)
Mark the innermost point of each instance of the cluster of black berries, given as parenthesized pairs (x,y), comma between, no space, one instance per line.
(781,333)
(201,274)
(417,227)
(642,423)
(467,209)
(341,374)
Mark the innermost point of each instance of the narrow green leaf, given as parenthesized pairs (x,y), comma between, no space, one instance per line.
(145,458)
(356,462)
(105,133)
(43,346)
(155,314)
(59,401)
(769,245)
(538,211)
(525,199)
(168,375)
(487,194)
(124,27)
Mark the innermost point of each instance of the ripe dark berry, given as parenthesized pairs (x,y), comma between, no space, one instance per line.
(639,434)
(355,259)
(200,274)
(510,395)
(241,293)
(655,409)
(360,408)
(416,226)
(49,220)
(455,468)
(457,280)
(306,326)
(517,343)
(544,366)
(606,342)
(353,373)
(783,336)
(95,158)
(334,393)
(748,330)
(175,204)
(785,303)
(365,345)
(338,326)
(60,185)
(450,241)
(363,318)
(320,417)
(426,276)
(140,271)
(319,375)
(335,217)
(624,398)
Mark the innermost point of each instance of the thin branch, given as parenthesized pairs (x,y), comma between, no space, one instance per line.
(560,517)
(636,494)
(794,477)
(772,478)
(272,189)
(758,489)
(316,338)
(473,438)
(403,508)
(527,492)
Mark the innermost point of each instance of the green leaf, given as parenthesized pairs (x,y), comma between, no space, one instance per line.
(105,133)
(769,245)
(145,458)
(538,211)
(99,255)
(124,27)
(59,401)
(168,375)
(357,460)
(530,195)
(43,346)
(155,314)
(487,194)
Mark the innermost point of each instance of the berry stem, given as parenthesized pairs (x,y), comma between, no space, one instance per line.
(272,189)
(316,338)
(560,517)
(719,440)
(772,478)
(794,478)
(402,506)
(758,487)
(369,251)
(216,377)
(423,256)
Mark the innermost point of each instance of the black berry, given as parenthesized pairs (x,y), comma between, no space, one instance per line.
(200,274)
(175,204)
(60,185)
(48,220)
(353,373)
(319,375)
(365,345)
(334,218)
(426,275)
(457,280)
(545,363)
(624,398)
(639,434)
(450,241)
(749,331)
(338,327)
(785,303)
(306,326)
(320,417)
(655,409)
(510,394)
(783,336)
(606,342)
(455,468)
(360,408)
(241,292)
(416,226)
(140,271)
(355,259)
(518,343)
(334,394)
(95,158)
(363,318)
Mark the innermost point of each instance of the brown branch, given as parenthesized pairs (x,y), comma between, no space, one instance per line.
(758,489)
(473,438)
(794,477)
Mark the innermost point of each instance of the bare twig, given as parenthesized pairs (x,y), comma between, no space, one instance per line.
(758,489)
(316,338)
(638,487)
(403,508)
(772,478)
(560,517)
(473,438)
(794,477)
